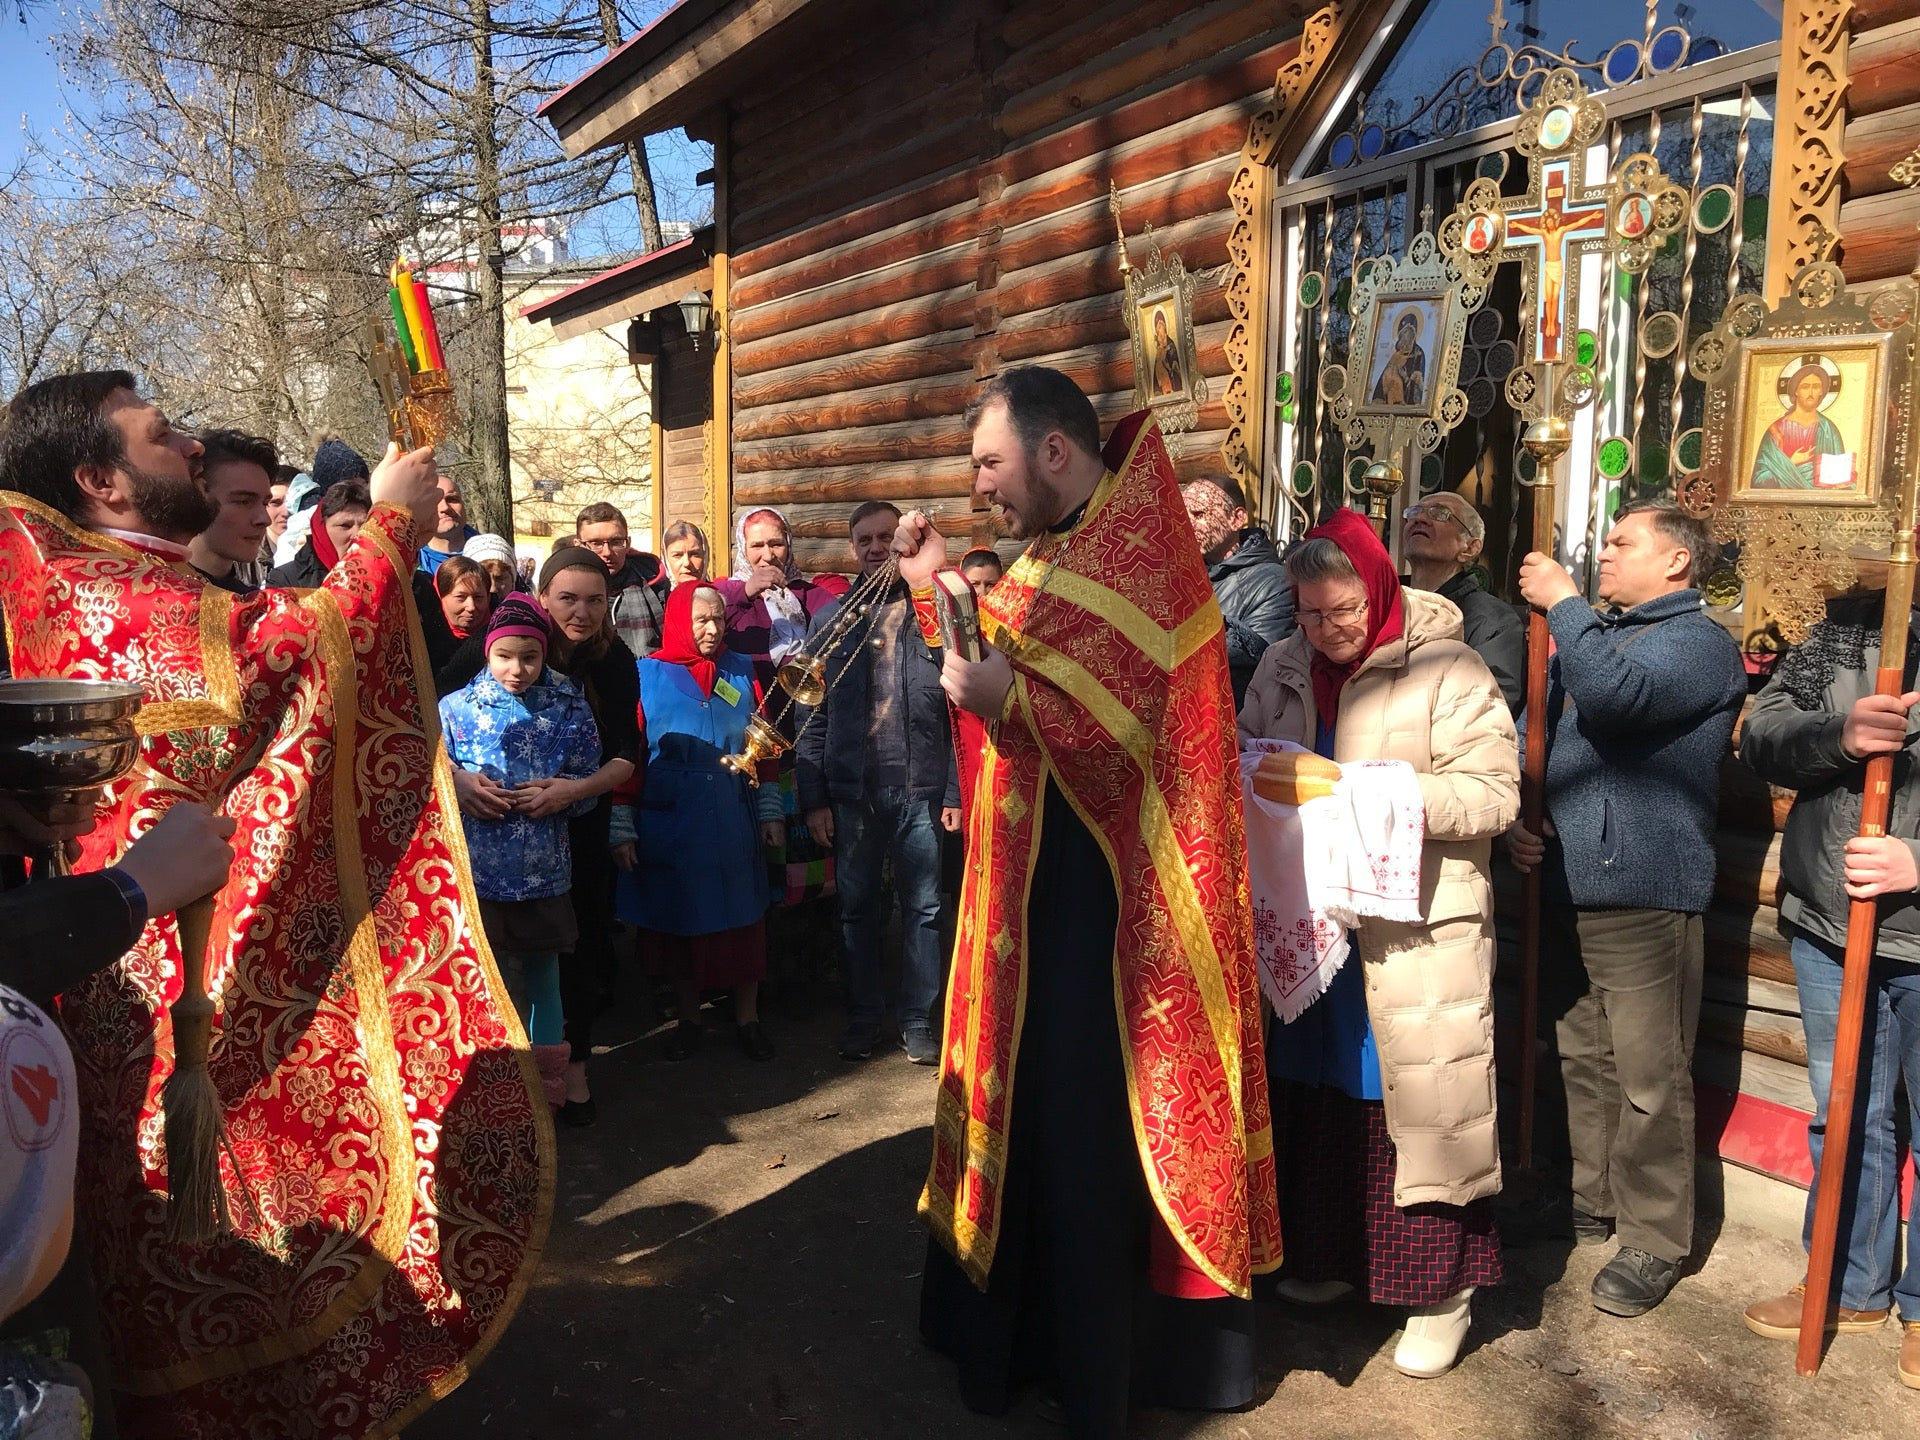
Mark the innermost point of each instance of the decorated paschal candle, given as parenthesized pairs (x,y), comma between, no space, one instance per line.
(410,307)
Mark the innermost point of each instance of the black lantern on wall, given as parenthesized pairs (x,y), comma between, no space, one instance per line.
(696,312)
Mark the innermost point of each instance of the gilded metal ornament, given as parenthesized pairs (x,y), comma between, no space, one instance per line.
(1644,210)
(1807,437)
(1907,171)
(1548,229)
(1402,383)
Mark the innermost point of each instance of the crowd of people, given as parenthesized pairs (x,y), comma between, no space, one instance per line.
(586,708)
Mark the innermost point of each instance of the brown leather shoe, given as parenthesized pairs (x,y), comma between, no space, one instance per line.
(1779,1319)
(1910,1356)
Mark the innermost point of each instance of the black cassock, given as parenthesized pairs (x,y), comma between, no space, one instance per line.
(1067,1298)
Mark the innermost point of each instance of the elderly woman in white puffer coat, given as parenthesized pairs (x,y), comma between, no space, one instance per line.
(1385,1131)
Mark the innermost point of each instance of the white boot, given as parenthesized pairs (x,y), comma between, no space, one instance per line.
(1312,1292)
(1431,1343)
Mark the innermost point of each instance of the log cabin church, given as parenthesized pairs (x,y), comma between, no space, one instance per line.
(910,197)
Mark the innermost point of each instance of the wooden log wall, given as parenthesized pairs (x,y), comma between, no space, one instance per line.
(1878,215)
(922,203)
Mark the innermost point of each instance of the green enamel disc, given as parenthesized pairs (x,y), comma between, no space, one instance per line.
(1586,347)
(1686,450)
(1713,209)
(1616,454)
(1313,287)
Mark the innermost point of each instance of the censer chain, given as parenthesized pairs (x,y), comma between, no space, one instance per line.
(859,609)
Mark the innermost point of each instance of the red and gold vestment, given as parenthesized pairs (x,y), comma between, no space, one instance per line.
(1121,697)
(384,1116)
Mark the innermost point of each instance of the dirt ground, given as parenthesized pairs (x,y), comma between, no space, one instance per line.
(734,1254)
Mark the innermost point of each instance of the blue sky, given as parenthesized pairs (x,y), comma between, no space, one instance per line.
(29,80)
(38,96)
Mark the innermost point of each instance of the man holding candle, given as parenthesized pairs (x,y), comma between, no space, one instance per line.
(390,1134)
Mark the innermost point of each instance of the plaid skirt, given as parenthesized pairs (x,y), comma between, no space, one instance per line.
(1337,1216)
(799,870)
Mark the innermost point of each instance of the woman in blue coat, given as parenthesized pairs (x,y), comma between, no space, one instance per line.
(689,848)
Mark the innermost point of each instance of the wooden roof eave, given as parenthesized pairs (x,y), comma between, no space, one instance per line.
(626,291)
(642,90)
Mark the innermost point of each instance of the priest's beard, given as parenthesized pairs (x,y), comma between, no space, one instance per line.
(1038,505)
(174,509)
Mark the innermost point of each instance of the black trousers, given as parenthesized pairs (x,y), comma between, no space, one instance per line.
(583,970)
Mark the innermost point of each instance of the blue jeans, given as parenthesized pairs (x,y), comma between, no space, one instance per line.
(1890,1042)
(889,823)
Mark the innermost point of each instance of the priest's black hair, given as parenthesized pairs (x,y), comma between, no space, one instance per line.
(55,427)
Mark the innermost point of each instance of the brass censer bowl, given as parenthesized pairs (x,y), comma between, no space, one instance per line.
(59,738)
(764,742)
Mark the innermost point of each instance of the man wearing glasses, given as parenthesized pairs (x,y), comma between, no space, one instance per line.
(1443,539)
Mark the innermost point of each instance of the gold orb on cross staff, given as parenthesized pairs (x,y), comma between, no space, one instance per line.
(1547,439)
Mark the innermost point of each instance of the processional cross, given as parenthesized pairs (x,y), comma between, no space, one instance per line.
(1551,229)
(1550,235)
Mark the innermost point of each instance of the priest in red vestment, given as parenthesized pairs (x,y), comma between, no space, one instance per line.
(390,1168)
(1102,1185)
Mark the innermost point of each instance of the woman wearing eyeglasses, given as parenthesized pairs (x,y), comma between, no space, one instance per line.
(1385,1134)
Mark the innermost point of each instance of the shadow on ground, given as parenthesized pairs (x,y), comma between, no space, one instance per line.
(734,1255)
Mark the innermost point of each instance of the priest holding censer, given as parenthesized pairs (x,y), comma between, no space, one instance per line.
(1129,1190)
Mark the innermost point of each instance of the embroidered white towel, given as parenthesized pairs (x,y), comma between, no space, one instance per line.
(1313,870)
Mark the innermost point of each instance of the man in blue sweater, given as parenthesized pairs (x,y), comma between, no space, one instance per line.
(1641,704)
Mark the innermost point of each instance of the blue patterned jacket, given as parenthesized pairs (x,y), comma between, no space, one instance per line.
(547,733)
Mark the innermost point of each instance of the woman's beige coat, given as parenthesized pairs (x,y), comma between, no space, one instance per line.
(1429,700)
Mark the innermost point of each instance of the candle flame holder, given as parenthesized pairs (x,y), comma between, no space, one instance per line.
(432,413)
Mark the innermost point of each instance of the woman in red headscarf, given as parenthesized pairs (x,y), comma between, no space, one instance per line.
(688,842)
(1385,1133)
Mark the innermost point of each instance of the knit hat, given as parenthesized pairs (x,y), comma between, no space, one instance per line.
(520,615)
(335,461)
(488,547)
(568,557)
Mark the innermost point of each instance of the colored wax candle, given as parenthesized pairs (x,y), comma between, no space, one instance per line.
(410,306)
(400,327)
(435,358)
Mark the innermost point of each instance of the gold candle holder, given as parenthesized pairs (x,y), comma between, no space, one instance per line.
(432,413)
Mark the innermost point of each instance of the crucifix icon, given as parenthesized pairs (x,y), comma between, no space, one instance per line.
(1558,226)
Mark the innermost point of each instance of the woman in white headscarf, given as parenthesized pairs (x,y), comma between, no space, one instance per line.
(770,603)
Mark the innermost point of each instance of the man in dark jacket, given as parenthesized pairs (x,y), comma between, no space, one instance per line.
(876,777)
(637,583)
(1256,598)
(1443,538)
(1813,729)
(1641,703)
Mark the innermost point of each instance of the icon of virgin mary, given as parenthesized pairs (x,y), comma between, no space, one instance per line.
(1403,377)
(1787,456)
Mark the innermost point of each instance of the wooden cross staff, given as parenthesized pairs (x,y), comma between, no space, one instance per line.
(1863,918)
(1547,440)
